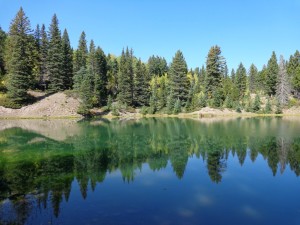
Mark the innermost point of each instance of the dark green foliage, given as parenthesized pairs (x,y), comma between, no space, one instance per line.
(100,77)
(241,80)
(202,101)
(3,36)
(152,105)
(85,90)
(67,61)
(228,103)
(178,77)
(256,104)
(112,75)
(126,78)
(44,43)
(278,108)
(157,66)
(271,75)
(214,70)
(217,97)
(177,107)
(18,58)
(141,90)
(232,75)
(55,64)
(109,102)
(170,104)
(268,108)
(252,78)
(81,54)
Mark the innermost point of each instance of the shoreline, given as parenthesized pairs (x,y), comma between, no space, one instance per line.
(138,116)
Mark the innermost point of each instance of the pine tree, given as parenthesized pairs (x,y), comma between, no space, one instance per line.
(85,90)
(283,89)
(2,47)
(241,79)
(125,80)
(271,75)
(157,66)
(214,70)
(112,75)
(44,44)
(232,75)
(55,57)
(67,61)
(177,106)
(18,57)
(81,54)
(100,78)
(256,104)
(141,93)
(178,77)
(252,78)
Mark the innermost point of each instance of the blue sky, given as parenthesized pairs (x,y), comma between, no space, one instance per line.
(246,30)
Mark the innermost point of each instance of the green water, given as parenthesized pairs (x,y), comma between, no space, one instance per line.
(150,171)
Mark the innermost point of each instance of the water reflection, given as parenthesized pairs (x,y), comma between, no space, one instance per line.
(38,165)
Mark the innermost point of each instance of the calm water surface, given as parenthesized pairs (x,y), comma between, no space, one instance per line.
(150,171)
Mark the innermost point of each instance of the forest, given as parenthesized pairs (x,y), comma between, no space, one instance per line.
(43,59)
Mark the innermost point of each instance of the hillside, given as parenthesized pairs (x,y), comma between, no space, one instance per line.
(55,105)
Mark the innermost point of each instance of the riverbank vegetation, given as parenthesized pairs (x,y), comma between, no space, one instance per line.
(44,60)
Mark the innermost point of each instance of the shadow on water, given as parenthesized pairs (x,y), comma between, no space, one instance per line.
(39,161)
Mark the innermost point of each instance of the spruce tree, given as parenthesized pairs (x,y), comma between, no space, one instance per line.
(232,75)
(283,89)
(67,61)
(214,70)
(252,78)
(271,75)
(268,108)
(179,84)
(256,104)
(55,64)
(141,93)
(157,66)
(18,57)
(100,78)
(3,36)
(85,89)
(112,75)
(44,44)
(81,54)
(125,80)
(241,80)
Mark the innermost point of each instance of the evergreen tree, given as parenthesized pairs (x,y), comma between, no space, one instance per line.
(178,77)
(112,75)
(18,57)
(283,89)
(85,90)
(268,108)
(141,93)
(232,75)
(55,57)
(256,104)
(81,54)
(252,78)
(241,80)
(100,78)
(67,61)
(177,106)
(271,75)
(293,63)
(44,44)
(261,79)
(157,66)
(2,47)
(214,70)
(125,80)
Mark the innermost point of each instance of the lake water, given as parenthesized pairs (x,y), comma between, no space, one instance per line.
(150,171)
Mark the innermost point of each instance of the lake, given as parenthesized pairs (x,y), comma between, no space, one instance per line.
(150,171)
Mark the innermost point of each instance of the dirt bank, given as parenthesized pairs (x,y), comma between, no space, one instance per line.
(57,105)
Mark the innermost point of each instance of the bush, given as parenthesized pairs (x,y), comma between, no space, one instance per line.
(8,103)
(114,111)
(268,108)
(144,110)
(238,108)
(278,108)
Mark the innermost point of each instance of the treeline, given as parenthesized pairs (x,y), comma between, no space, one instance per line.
(44,59)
